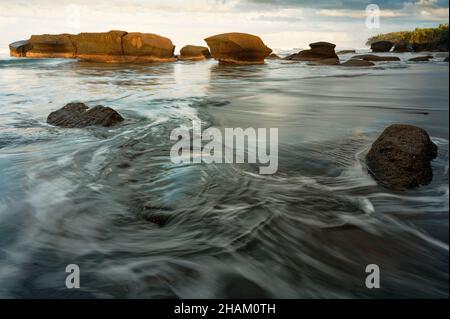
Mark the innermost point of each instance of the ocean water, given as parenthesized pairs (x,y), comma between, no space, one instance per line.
(88,196)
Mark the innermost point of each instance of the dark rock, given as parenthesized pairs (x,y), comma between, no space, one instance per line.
(376,58)
(194,52)
(238,48)
(79,115)
(320,52)
(357,63)
(400,158)
(402,47)
(382,46)
(425,58)
(346,52)
(273,56)
(446,59)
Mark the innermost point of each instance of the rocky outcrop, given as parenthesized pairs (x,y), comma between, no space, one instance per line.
(382,46)
(400,158)
(238,48)
(424,58)
(357,63)
(402,47)
(320,52)
(194,52)
(375,58)
(79,115)
(109,47)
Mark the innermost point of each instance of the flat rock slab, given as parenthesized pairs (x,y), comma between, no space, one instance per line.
(425,58)
(401,157)
(78,115)
(376,58)
(357,63)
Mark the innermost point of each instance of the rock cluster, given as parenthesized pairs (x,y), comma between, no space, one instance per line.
(320,53)
(110,47)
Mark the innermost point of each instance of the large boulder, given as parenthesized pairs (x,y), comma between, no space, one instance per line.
(376,58)
(400,158)
(357,63)
(112,46)
(238,48)
(320,52)
(194,52)
(80,115)
(382,46)
(51,46)
(147,47)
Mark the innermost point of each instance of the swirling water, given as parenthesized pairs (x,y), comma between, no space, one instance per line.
(84,196)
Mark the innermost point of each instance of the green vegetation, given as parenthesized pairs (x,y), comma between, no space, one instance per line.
(426,38)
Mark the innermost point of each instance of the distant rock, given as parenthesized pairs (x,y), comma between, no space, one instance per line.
(400,158)
(424,58)
(193,52)
(376,58)
(346,52)
(402,47)
(320,52)
(357,63)
(273,56)
(238,48)
(382,46)
(77,115)
(446,59)
(19,49)
(109,47)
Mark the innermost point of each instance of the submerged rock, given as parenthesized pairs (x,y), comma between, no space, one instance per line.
(346,52)
(194,52)
(376,58)
(238,48)
(320,52)
(400,158)
(357,63)
(109,47)
(381,46)
(77,115)
(424,58)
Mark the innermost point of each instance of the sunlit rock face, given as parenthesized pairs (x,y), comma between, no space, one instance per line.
(107,47)
(238,48)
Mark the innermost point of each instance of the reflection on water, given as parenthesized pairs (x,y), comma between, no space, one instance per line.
(111,201)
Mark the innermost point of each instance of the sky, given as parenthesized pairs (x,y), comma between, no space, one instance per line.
(282,24)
